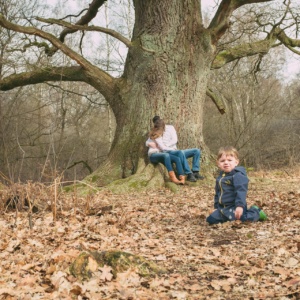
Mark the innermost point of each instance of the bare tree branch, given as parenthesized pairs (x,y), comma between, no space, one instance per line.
(89,16)
(105,82)
(78,94)
(221,21)
(111,32)
(74,73)
(216,100)
(51,38)
(84,20)
(261,47)
(285,40)
(37,44)
(84,163)
(75,16)
(293,50)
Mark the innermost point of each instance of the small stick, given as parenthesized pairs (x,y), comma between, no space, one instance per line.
(29,203)
(75,192)
(52,206)
(88,200)
(55,200)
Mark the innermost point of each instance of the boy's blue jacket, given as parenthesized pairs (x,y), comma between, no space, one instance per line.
(231,190)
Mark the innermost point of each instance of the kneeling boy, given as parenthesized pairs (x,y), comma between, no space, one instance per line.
(231,191)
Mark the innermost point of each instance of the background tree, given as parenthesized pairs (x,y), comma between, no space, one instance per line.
(170,55)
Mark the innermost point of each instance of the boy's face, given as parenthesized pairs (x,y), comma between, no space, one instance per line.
(227,163)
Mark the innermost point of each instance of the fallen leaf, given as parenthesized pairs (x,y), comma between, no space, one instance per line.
(106,273)
(215,286)
(93,266)
(27,267)
(292,282)
(6,291)
(291,262)
(196,287)
(51,269)
(129,278)
(77,289)
(226,288)
(156,282)
(282,271)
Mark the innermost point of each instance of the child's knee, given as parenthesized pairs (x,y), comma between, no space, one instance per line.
(211,220)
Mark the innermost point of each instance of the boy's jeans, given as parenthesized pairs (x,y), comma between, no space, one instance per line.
(251,214)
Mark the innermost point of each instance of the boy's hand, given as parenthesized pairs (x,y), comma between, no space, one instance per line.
(238,212)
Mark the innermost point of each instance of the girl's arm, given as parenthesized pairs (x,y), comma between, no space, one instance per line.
(161,145)
(151,143)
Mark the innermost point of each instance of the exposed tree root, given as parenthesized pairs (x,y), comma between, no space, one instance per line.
(146,177)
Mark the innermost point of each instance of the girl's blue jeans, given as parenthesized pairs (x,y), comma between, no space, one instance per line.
(168,158)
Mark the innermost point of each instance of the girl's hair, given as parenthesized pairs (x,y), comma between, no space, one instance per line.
(230,151)
(158,129)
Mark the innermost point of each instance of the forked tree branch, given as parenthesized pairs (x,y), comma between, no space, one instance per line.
(47,36)
(85,19)
(105,82)
(84,163)
(260,47)
(285,40)
(37,44)
(111,32)
(221,21)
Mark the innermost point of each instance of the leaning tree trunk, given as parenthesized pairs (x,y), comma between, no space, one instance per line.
(165,74)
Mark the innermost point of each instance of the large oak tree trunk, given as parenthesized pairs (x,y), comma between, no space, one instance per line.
(170,83)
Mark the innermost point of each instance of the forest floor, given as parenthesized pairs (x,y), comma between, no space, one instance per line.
(229,261)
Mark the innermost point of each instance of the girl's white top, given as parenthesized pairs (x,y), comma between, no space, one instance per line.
(169,137)
(160,144)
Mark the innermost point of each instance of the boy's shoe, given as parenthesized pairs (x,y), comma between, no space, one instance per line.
(191,177)
(198,176)
(262,215)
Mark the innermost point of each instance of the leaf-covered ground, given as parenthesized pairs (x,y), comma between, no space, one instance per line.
(228,261)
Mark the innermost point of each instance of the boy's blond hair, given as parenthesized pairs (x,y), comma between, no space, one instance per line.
(228,151)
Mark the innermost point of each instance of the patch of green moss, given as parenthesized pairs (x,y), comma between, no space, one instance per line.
(118,260)
(198,183)
(172,186)
(135,43)
(95,178)
(69,188)
(138,184)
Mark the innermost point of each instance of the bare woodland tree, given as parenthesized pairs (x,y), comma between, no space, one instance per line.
(170,56)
